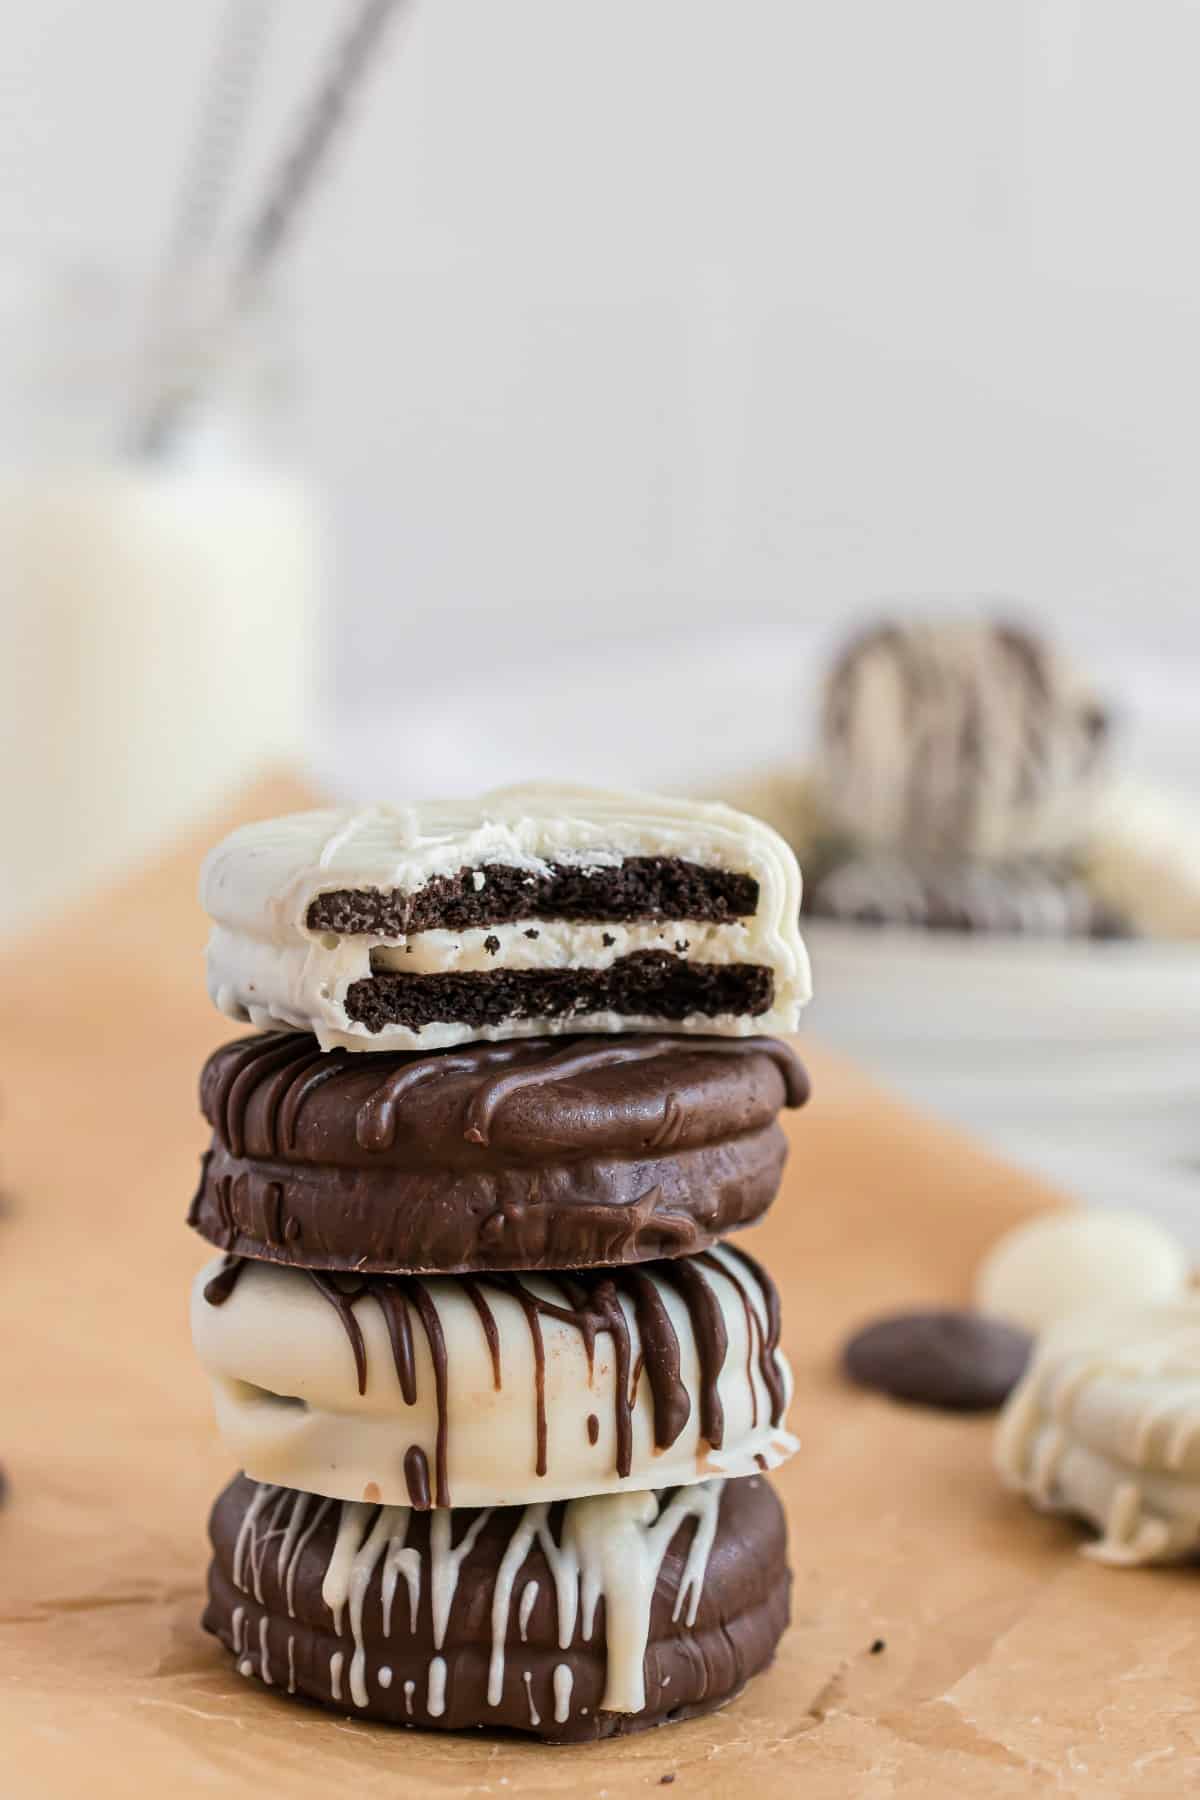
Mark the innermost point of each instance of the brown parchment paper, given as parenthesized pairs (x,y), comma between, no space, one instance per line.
(1011,1666)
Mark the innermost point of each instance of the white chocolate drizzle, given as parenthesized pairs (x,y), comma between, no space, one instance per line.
(1105,1425)
(436,1699)
(364,1533)
(446,1563)
(251,1545)
(610,1548)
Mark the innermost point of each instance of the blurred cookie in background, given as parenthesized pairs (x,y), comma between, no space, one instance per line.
(962,780)
(959,766)
(959,738)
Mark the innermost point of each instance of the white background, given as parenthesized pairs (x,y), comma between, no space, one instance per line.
(654,321)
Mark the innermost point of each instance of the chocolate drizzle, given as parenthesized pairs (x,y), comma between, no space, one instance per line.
(416,1475)
(582,1057)
(533,1319)
(376,1119)
(712,1341)
(487,1319)
(660,1359)
(590,1302)
(768,1345)
(394,1296)
(420,1298)
(342,1301)
(291,1068)
(290,1065)
(222,1284)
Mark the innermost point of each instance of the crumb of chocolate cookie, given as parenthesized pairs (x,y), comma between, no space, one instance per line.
(491,943)
(878,1647)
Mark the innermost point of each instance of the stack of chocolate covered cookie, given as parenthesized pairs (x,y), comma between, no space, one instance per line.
(503,1397)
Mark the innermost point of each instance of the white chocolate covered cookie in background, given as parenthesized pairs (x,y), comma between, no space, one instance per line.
(530,911)
(1105,1426)
(1070,1262)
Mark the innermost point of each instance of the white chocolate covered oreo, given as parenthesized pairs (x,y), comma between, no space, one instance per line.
(1106,1427)
(495,1390)
(530,911)
(1069,1262)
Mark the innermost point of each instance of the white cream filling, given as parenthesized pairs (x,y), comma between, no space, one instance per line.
(289,1410)
(556,944)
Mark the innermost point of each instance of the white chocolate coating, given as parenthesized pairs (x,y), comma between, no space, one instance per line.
(1071,1262)
(1105,1425)
(288,1407)
(265,965)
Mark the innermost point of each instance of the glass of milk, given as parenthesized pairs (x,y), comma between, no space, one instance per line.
(156,609)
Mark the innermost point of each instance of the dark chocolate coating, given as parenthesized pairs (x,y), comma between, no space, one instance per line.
(956,1360)
(538,1153)
(742,1613)
(640,887)
(651,984)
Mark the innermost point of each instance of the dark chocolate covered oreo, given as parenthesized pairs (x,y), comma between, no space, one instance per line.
(571,1622)
(529,1154)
